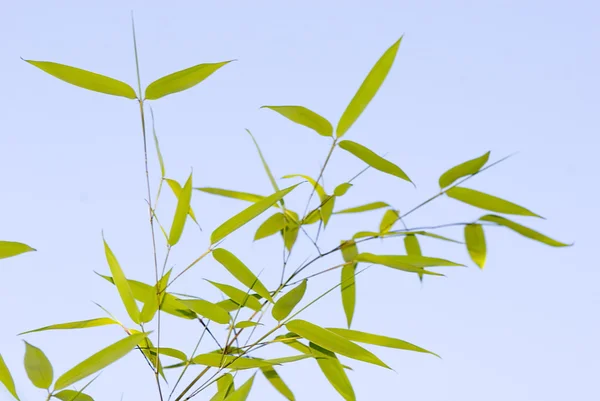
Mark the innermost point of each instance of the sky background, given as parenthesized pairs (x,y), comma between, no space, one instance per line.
(470,76)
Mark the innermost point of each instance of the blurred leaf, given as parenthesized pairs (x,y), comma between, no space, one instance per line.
(303,116)
(375,339)
(462,170)
(72,395)
(368,89)
(181,213)
(487,202)
(181,80)
(348,281)
(245,196)
(230,305)
(364,208)
(122,285)
(208,310)
(333,371)
(161,162)
(341,189)
(332,341)
(9,249)
(266,167)
(389,218)
(241,394)
(225,386)
(176,188)
(524,231)
(38,367)
(364,234)
(475,240)
(241,272)
(373,159)
(284,306)
(276,381)
(432,235)
(229,361)
(408,260)
(290,235)
(246,324)
(82,324)
(85,79)
(238,296)
(6,379)
(248,214)
(271,226)
(327,209)
(99,360)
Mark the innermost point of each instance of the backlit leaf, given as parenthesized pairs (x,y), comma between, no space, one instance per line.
(225,386)
(327,209)
(462,170)
(245,196)
(9,249)
(373,159)
(408,260)
(290,235)
(368,89)
(364,208)
(241,394)
(276,381)
(333,371)
(375,339)
(341,189)
(181,213)
(348,281)
(38,367)
(389,218)
(6,379)
(86,79)
(72,395)
(122,285)
(271,226)
(181,80)
(303,116)
(432,235)
(318,188)
(241,272)
(238,296)
(488,202)
(82,324)
(176,188)
(411,243)
(524,231)
(284,305)
(228,361)
(475,240)
(172,352)
(266,166)
(246,324)
(208,310)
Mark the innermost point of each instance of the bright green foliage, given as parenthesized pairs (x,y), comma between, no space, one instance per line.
(245,196)
(229,361)
(38,367)
(333,371)
(241,272)
(181,213)
(6,378)
(225,386)
(373,159)
(524,231)
(72,395)
(266,166)
(273,377)
(303,116)
(341,189)
(238,296)
(208,310)
(284,306)
(82,324)
(348,282)
(462,170)
(408,263)
(246,324)
(122,285)
(272,225)
(9,249)
(176,188)
(382,341)
(475,240)
(364,208)
(413,248)
(241,394)
(488,202)
(389,218)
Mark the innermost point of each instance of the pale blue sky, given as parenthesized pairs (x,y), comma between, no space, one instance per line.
(505,76)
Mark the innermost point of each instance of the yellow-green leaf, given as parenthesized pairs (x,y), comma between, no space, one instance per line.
(149,309)
(238,296)
(524,231)
(341,189)
(181,212)
(375,339)
(241,272)
(99,360)
(230,305)
(246,324)
(290,234)
(161,162)
(363,208)
(245,196)
(176,188)
(241,394)
(475,240)
(181,80)
(82,324)
(266,166)
(407,260)
(327,209)
(368,89)
(86,79)
(284,306)
(72,395)
(432,235)
(38,367)
(303,116)
(122,285)
(389,218)
(348,281)
(333,371)
(373,159)
(172,352)
(488,202)
(9,249)
(332,341)
(208,310)
(225,386)
(6,379)
(411,243)
(462,170)
(228,361)
(276,381)
(318,188)
(248,214)
(271,226)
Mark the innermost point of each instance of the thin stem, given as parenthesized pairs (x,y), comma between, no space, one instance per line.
(193,382)
(198,259)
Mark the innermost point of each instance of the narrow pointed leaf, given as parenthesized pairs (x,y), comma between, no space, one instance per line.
(408,260)
(462,170)
(85,79)
(332,341)
(368,89)
(176,188)
(228,361)
(99,360)
(341,189)
(161,162)
(348,280)
(208,310)
(72,395)
(276,381)
(475,240)
(524,231)
(246,324)
(373,159)
(238,296)
(241,394)
(432,235)
(172,352)
(181,213)
(284,306)
(82,324)
(265,166)
(333,371)
(290,235)
(488,202)
(318,188)
(241,272)
(122,285)
(389,218)
(6,379)
(225,386)
(375,339)
(411,243)
(9,249)
(38,367)
(149,310)
(181,80)
(271,226)
(245,196)
(230,305)
(364,208)
(303,116)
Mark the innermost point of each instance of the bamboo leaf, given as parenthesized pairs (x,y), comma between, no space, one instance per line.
(82,324)
(432,235)
(228,361)
(303,116)
(462,170)
(375,339)
(333,371)
(238,296)
(411,243)
(246,324)
(272,225)
(172,352)
(368,89)
(122,285)
(85,79)
(332,341)
(230,305)
(181,213)
(72,395)
(225,386)
(241,394)
(248,214)
(318,188)
(341,189)
(181,80)
(266,166)
(161,162)
(284,306)
(475,240)
(176,188)
(524,231)
(389,218)
(348,281)
(208,310)
(290,235)
(488,202)
(99,360)
(245,196)
(276,381)
(364,208)
(38,367)
(373,159)
(6,379)
(407,260)
(9,249)
(241,272)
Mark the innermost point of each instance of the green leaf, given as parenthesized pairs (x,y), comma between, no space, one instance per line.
(368,89)
(241,394)
(284,306)
(432,235)
(228,361)
(341,189)
(85,79)
(238,296)
(475,240)
(248,214)
(245,196)
(462,170)
(332,342)
(230,305)
(241,272)
(318,188)
(266,166)
(172,352)
(149,310)
(99,360)
(327,209)
(82,324)
(408,260)
(411,243)
(181,80)
(176,188)
(373,159)
(364,208)
(271,226)
(122,285)
(6,378)
(9,249)
(290,235)
(38,367)
(389,218)
(348,282)
(181,213)
(303,116)
(161,162)
(208,310)
(225,386)
(487,202)
(246,324)
(375,339)
(72,395)
(276,381)
(524,231)
(333,371)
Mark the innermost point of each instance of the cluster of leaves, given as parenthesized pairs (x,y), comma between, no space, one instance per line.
(247,307)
